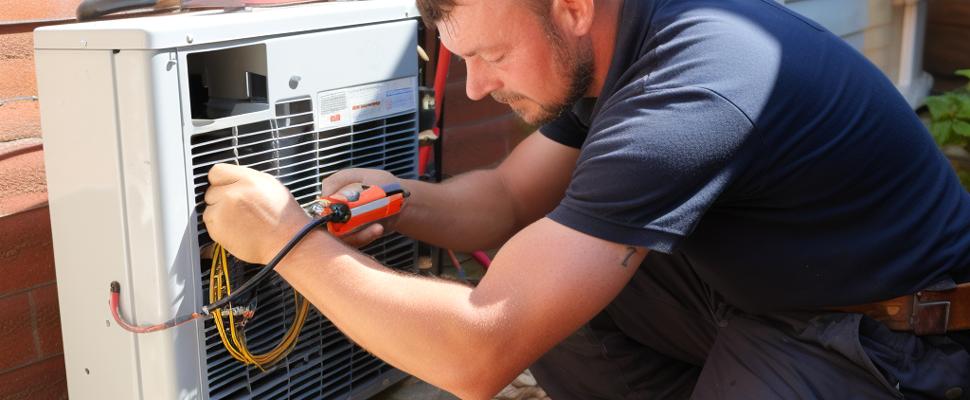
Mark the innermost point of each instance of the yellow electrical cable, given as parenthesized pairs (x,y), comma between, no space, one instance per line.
(216,287)
(221,273)
(235,341)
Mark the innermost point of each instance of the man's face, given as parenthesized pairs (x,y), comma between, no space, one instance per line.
(519,57)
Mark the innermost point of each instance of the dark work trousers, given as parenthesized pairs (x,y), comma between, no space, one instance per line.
(669,336)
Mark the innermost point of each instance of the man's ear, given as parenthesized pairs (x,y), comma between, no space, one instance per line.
(573,16)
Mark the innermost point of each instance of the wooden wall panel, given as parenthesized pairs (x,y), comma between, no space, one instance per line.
(947,41)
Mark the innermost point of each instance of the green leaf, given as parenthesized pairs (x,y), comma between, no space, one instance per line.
(963,107)
(939,107)
(961,128)
(966,74)
(942,131)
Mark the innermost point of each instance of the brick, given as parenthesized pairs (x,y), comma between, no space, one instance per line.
(14,10)
(19,120)
(47,319)
(460,110)
(17,346)
(39,381)
(469,147)
(26,252)
(17,65)
(23,185)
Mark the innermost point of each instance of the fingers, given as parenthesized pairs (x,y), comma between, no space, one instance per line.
(226,174)
(221,176)
(215,193)
(350,192)
(364,236)
(339,180)
(209,217)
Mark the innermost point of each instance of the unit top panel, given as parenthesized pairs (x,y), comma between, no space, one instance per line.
(214,26)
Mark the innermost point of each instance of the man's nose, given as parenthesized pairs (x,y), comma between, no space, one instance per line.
(479,81)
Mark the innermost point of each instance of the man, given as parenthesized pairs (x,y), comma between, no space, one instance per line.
(715,181)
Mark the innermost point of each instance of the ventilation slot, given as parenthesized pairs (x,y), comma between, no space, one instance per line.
(324,364)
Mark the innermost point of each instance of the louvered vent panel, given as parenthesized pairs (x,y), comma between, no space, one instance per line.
(324,364)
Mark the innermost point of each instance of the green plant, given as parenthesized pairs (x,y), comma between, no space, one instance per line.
(950,115)
(950,125)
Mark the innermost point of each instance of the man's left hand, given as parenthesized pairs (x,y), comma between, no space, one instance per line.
(250,213)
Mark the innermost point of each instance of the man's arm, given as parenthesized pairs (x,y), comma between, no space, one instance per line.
(480,209)
(544,283)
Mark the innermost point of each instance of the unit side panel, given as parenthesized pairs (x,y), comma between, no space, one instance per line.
(78,118)
(341,58)
(164,273)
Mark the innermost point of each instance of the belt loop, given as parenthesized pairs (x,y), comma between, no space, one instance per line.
(931,317)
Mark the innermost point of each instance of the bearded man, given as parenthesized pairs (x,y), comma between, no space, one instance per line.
(724,200)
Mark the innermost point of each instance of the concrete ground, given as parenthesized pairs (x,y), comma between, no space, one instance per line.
(524,387)
(412,388)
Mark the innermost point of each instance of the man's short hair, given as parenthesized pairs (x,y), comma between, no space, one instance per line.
(433,11)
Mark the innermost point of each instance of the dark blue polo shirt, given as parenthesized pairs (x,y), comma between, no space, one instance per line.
(784,166)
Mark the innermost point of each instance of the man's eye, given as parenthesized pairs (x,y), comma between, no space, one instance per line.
(496,60)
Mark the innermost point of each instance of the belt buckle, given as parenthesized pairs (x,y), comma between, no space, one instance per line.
(929,317)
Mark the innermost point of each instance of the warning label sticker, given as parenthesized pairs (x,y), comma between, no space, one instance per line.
(347,106)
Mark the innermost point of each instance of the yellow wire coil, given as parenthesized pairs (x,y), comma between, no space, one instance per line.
(235,341)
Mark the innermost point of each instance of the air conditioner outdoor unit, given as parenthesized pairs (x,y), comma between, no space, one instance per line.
(135,111)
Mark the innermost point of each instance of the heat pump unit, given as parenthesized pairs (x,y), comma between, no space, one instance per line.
(135,111)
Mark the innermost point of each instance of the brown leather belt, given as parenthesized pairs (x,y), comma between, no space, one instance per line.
(924,313)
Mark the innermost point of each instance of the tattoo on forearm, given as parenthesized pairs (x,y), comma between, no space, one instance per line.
(630,252)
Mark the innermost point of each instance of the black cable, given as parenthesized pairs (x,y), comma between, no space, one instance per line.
(338,212)
(94,9)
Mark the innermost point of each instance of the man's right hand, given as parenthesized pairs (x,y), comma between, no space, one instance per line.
(349,181)
(475,210)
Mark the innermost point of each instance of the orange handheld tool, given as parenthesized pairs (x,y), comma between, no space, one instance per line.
(372,204)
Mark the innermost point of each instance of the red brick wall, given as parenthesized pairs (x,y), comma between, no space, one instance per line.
(31,356)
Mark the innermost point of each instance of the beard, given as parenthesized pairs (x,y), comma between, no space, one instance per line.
(576,64)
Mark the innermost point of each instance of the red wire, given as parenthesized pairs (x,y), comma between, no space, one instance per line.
(424,154)
(457,264)
(113,304)
(440,83)
(482,258)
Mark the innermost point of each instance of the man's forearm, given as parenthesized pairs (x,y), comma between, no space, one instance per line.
(481,209)
(429,328)
(469,212)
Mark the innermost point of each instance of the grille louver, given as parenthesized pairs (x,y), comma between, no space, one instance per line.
(324,364)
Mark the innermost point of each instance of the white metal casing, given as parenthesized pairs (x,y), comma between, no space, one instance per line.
(116,124)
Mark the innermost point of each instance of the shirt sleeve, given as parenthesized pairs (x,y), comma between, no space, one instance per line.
(653,164)
(567,130)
